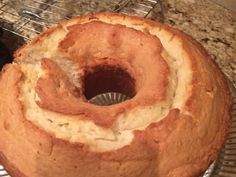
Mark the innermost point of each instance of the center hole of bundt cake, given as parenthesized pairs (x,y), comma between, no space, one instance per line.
(106,80)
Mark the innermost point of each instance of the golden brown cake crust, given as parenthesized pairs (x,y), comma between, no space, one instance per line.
(183,143)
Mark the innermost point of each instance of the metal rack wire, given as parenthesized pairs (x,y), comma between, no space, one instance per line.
(3,173)
(30,18)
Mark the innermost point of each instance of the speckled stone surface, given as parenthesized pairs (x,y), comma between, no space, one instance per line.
(212,25)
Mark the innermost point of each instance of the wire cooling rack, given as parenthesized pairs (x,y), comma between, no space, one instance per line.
(27,18)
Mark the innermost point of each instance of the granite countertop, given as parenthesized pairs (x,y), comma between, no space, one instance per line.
(212,25)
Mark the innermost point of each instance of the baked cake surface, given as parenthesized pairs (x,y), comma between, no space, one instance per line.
(173,126)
